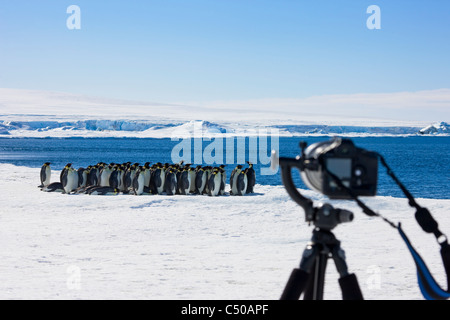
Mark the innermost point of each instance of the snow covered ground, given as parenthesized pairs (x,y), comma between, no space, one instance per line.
(57,246)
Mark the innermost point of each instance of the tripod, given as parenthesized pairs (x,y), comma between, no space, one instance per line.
(310,276)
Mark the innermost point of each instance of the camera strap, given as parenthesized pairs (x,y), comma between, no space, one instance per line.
(427,284)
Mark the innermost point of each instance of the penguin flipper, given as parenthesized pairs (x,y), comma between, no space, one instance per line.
(43,177)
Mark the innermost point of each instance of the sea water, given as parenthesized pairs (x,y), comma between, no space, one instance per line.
(422,163)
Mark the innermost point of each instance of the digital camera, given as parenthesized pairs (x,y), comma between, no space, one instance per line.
(356,168)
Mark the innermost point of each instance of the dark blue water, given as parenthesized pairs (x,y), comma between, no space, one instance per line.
(421,163)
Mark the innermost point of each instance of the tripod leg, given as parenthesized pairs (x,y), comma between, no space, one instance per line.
(314,290)
(300,277)
(350,288)
(348,282)
(295,285)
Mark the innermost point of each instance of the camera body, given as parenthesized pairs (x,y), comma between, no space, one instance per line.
(356,168)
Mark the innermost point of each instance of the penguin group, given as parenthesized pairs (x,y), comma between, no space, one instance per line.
(242,181)
(133,178)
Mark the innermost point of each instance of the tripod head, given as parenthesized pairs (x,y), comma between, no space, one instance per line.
(324,216)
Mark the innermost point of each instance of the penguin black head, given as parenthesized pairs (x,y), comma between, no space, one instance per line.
(47,164)
(239,166)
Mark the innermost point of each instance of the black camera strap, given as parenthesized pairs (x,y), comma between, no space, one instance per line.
(428,286)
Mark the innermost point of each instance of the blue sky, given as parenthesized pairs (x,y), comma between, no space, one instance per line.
(206,50)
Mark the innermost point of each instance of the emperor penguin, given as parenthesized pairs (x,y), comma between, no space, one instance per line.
(241,183)
(120,174)
(64,171)
(125,178)
(160,178)
(184,182)
(70,180)
(92,176)
(214,183)
(251,177)
(114,177)
(128,178)
(88,171)
(233,179)
(191,174)
(178,173)
(138,183)
(200,180)
(103,191)
(152,179)
(100,167)
(82,177)
(147,174)
(46,173)
(54,187)
(133,170)
(104,176)
(208,170)
(171,183)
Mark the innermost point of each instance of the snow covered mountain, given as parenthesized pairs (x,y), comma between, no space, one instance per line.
(28,113)
(142,128)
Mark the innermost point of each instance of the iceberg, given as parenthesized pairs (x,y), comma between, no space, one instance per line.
(436,128)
